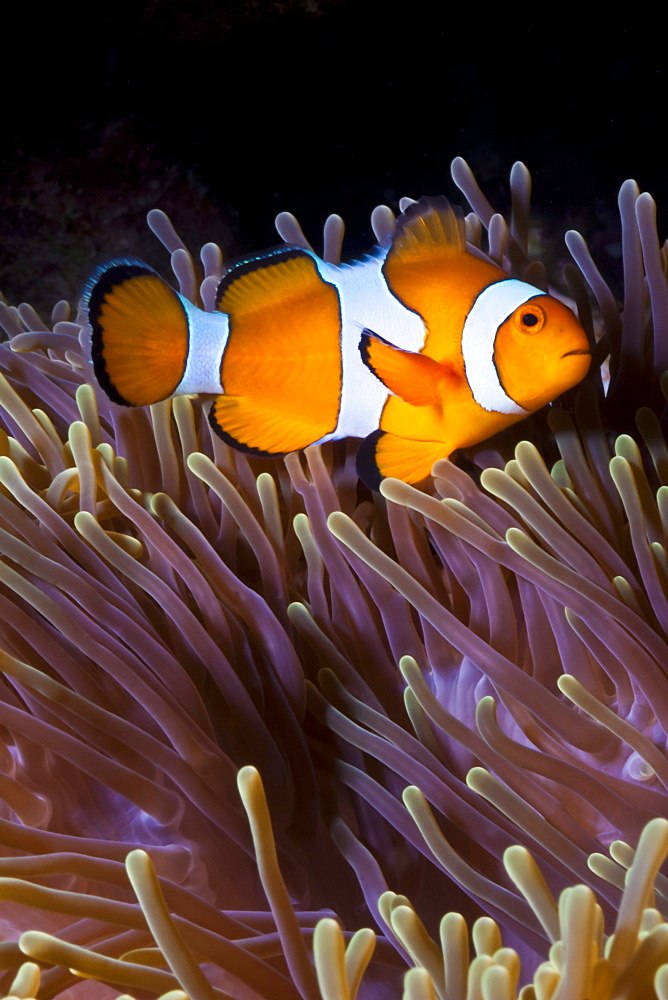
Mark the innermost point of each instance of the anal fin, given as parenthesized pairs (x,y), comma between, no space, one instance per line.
(383,454)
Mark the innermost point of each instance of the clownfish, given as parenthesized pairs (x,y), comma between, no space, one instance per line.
(420,348)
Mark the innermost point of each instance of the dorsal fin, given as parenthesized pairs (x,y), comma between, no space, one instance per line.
(430,271)
(267,278)
(427,226)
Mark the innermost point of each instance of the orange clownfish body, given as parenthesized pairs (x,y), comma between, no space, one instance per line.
(421,348)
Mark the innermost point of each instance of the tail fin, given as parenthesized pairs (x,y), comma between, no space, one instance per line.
(139,332)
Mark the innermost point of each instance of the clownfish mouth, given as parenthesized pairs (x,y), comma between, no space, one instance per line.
(584,352)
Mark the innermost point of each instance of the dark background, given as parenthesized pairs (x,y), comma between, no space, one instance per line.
(224,113)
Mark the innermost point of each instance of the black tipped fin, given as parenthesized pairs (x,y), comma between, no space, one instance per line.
(383,454)
(139,332)
(367,467)
(260,429)
(413,377)
(239,445)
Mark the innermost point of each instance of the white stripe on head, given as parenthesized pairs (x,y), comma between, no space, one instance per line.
(492,307)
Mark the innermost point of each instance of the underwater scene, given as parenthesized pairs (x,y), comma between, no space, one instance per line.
(270,734)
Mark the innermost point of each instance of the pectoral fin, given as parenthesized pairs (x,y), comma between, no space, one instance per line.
(414,377)
(383,454)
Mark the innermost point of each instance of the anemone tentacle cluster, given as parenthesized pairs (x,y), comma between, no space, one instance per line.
(247,704)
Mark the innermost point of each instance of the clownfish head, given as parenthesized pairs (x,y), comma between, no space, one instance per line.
(540,351)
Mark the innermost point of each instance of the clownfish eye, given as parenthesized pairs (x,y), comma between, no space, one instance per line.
(529,318)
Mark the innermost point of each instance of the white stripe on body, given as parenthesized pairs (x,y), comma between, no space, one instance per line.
(367,303)
(492,307)
(208,334)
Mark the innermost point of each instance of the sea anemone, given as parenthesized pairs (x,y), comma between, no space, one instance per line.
(245,703)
